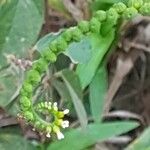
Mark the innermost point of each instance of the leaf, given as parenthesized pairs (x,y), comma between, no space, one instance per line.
(141,143)
(45,41)
(65,96)
(74,88)
(80,52)
(79,139)
(61,89)
(13,142)
(20,24)
(100,46)
(8,86)
(98,89)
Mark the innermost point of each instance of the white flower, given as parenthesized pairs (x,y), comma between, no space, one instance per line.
(48,135)
(33,129)
(65,124)
(59,135)
(46,104)
(49,103)
(66,111)
(55,106)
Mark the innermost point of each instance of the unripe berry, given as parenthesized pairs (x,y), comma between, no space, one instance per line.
(84,26)
(130,13)
(95,25)
(120,7)
(100,15)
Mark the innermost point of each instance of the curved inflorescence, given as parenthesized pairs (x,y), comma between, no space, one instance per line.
(100,23)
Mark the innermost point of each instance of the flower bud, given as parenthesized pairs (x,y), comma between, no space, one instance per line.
(112,16)
(67,35)
(40,65)
(27,87)
(120,7)
(84,26)
(25,102)
(49,56)
(33,76)
(145,9)
(53,46)
(61,44)
(130,13)
(95,25)
(100,15)
(29,116)
(76,34)
(135,3)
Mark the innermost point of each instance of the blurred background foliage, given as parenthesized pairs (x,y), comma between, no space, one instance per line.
(26,28)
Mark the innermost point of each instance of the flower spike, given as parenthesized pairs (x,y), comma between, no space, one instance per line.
(101,23)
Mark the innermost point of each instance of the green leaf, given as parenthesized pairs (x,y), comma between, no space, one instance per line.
(8,86)
(20,24)
(61,89)
(45,41)
(79,139)
(100,46)
(98,89)
(13,142)
(80,52)
(141,143)
(74,88)
(65,96)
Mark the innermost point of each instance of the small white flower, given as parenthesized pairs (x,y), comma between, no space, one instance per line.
(49,103)
(60,135)
(65,124)
(33,129)
(55,106)
(46,104)
(66,111)
(48,135)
